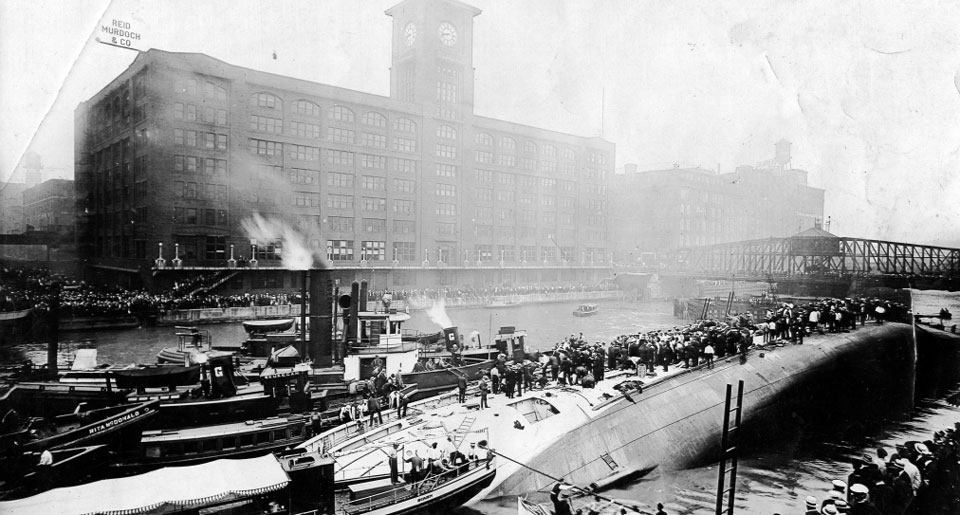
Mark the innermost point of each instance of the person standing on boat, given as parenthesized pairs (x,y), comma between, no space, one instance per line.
(461,388)
(402,402)
(495,379)
(373,408)
(394,465)
(484,389)
(561,502)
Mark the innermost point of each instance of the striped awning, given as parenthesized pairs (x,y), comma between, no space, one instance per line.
(193,487)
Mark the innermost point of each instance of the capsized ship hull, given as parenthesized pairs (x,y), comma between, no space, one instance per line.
(676,422)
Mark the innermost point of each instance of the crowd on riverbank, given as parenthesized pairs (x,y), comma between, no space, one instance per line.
(23,288)
(916,478)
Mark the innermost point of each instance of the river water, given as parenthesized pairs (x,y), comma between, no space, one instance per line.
(773,477)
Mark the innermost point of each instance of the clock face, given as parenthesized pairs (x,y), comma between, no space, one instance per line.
(409,34)
(448,33)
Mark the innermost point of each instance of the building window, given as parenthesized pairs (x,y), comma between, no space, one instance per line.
(548,183)
(483,138)
(568,155)
(265,148)
(483,213)
(404,125)
(446,190)
(374,120)
(403,206)
(483,157)
(446,131)
(186,86)
(303,153)
(305,130)
(338,157)
(404,165)
(446,228)
(340,180)
(373,250)
(339,135)
(505,196)
(448,151)
(340,224)
(445,170)
(447,209)
(404,185)
(404,227)
(306,107)
(446,91)
(404,145)
(528,164)
(508,144)
(341,114)
(209,140)
(265,101)
(305,200)
(550,151)
(178,111)
(302,176)
(548,201)
(372,182)
(507,179)
(373,140)
(375,204)
(483,194)
(216,248)
(340,250)
(340,201)
(374,225)
(371,161)
(506,253)
(526,181)
(404,251)
(484,176)
(508,160)
(483,252)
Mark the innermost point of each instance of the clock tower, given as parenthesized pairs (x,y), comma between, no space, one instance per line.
(432,61)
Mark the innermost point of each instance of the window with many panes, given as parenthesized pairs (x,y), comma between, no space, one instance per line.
(339,135)
(303,152)
(340,114)
(483,157)
(404,227)
(373,140)
(448,151)
(306,107)
(446,228)
(374,225)
(484,176)
(404,144)
(373,182)
(340,250)
(401,165)
(338,157)
(404,185)
(483,194)
(371,161)
(265,148)
(373,250)
(446,190)
(446,132)
(404,125)
(404,251)
(340,180)
(266,101)
(403,206)
(445,170)
(446,209)
(305,130)
(340,201)
(374,119)
(373,204)
(340,223)
(482,138)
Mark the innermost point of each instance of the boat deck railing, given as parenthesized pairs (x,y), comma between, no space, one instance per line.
(465,473)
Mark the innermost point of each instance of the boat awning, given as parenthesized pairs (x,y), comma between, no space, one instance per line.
(184,487)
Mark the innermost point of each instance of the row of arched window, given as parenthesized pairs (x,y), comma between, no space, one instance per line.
(338,113)
(509,144)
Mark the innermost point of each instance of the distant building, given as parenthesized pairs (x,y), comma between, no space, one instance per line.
(682,207)
(50,206)
(11,207)
(181,148)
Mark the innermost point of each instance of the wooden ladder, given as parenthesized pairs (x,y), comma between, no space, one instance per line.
(728,451)
(460,433)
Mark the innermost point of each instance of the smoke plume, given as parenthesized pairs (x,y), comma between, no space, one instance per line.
(295,253)
(438,314)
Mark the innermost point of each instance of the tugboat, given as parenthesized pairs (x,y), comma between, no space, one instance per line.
(586,310)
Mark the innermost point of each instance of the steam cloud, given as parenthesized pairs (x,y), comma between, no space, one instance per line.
(296,253)
(438,314)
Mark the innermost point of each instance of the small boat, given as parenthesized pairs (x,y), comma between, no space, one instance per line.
(246,486)
(191,446)
(23,476)
(580,502)
(267,326)
(503,302)
(118,426)
(586,310)
(191,341)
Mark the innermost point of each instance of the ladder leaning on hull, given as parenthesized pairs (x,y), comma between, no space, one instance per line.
(729,441)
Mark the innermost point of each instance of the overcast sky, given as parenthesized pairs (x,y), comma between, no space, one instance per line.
(868,92)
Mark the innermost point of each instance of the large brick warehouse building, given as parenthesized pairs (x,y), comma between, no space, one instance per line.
(181,148)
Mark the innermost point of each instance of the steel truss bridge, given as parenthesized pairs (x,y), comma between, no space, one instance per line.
(821,255)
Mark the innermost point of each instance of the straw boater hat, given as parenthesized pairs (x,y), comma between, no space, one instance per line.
(810,502)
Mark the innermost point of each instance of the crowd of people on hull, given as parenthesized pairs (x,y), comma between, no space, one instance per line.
(916,478)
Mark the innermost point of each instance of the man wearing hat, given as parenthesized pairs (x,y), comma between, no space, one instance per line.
(810,504)
(860,501)
(829,509)
(560,500)
(902,488)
